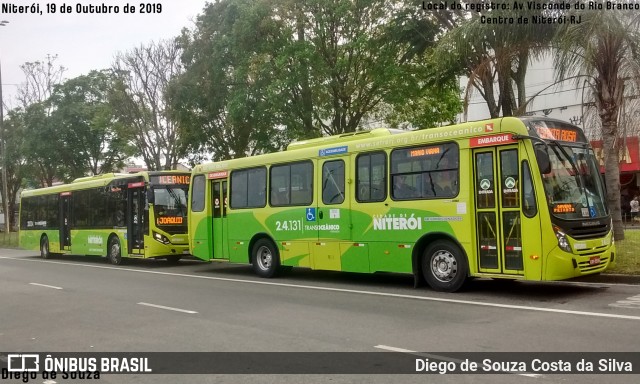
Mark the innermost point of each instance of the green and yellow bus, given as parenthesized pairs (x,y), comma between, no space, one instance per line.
(512,198)
(140,215)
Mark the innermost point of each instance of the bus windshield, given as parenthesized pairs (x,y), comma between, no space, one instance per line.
(574,187)
(170,205)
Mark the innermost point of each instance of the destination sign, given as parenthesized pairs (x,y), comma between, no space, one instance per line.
(171,179)
(218,175)
(564,208)
(171,220)
(562,134)
(419,152)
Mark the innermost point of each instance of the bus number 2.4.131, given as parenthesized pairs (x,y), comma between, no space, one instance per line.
(289,225)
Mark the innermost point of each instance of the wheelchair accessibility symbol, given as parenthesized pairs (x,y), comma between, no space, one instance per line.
(311,214)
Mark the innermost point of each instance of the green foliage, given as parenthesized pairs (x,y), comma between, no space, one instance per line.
(17,166)
(43,143)
(92,139)
(494,56)
(225,99)
(260,73)
(603,53)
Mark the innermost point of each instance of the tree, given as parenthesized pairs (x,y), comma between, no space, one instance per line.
(17,166)
(140,101)
(260,73)
(42,143)
(93,140)
(41,78)
(604,49)
(226,100)
(494,56)
(357,63)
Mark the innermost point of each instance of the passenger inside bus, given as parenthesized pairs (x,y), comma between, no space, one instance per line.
(444,183)
(401,190)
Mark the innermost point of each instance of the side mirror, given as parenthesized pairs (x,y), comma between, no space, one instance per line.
(543,160)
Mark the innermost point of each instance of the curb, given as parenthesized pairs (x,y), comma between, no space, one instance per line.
(610,278)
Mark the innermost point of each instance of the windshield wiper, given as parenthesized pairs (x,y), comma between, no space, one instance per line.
(175,198)
(581,184)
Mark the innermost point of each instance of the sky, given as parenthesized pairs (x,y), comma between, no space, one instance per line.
(83,42)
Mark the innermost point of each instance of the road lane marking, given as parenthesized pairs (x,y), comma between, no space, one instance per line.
(167,308)
(344,290)
(46,286)
(443,358)
(632,302)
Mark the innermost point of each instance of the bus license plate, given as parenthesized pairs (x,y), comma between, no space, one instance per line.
(595,260)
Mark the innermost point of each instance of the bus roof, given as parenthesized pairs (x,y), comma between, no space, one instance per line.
(98,181)
(372,140)
(343,138)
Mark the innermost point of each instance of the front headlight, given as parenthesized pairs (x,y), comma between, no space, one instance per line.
(563,242)
(161,238)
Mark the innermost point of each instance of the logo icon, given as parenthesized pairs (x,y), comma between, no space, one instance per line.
(485,184)
(311,214)
(23,363)
(510,182)
(488,127)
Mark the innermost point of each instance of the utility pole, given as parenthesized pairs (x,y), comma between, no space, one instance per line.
(3,144)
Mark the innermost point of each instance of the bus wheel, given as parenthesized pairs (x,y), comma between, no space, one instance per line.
(115,254)
(444,266)
(266,260)
(173,259)
(45,253)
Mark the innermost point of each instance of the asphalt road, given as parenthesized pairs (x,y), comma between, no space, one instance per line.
(78,304)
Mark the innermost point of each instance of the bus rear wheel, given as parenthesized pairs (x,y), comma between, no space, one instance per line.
(265,258)
(45,252)
(114,253)
(444,266)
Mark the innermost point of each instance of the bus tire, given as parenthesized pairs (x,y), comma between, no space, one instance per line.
(265,258)
(114,252)
(444,266)
(45,251)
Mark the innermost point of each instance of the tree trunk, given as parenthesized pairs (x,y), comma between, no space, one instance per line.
(612,175)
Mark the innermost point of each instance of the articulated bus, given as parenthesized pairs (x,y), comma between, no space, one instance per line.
(140,215)
(511,198)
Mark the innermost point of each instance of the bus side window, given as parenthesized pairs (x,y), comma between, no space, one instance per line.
(371,173)
(198,193)
(529,207)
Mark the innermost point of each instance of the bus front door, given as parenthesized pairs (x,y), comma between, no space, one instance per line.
(334,249)
(220,229)
(65,218)
(498,211)
(135,219)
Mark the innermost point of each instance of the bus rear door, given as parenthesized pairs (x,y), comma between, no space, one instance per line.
(65,221)
(219,232)
(334,249)
(136,217)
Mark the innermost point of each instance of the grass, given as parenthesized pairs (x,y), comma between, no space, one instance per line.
(628,254)
(9,240)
